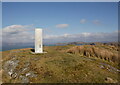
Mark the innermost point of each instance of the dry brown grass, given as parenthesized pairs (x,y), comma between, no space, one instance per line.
(95,51)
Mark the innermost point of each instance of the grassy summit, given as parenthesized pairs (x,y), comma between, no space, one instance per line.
(62,64)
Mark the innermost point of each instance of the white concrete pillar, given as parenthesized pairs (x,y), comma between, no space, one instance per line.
(38,41)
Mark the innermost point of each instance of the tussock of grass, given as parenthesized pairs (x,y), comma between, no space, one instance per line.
(101,52)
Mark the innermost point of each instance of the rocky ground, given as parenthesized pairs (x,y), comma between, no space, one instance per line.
(56,66)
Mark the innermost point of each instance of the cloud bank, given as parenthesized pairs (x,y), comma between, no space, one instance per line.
(85,37)
(23,35)
(17,34)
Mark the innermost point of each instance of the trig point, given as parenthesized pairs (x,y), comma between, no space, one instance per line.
(38,41)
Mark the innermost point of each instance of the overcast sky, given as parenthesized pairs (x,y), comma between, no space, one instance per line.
(60,21)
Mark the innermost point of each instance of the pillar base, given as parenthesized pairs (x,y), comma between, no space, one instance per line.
(37,53)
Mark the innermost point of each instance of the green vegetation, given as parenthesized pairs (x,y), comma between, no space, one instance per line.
(62,64)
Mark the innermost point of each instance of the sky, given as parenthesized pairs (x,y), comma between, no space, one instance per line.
(60,0)
(60,21)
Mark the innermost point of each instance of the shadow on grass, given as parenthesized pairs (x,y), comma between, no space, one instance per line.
(33,50)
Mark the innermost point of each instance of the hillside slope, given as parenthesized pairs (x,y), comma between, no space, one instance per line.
(61,64)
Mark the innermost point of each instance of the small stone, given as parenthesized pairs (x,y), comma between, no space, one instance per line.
(110,80)
(101,66)
(14,75)
(23,79)
(31,74)
(25,69)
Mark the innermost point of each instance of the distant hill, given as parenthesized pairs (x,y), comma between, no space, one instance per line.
(90,43)
(62,64)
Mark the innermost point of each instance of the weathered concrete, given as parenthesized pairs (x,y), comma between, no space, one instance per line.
(38,41)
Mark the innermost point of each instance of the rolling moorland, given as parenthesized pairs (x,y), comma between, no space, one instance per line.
(98,63)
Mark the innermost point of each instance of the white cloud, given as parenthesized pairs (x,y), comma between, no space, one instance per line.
(13,29)
(22,34)
(86,34)
(85,37)
(17,34)
(97,22)
(66,35)
(50,36)
(118,31)
(62,25)
(82,21)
